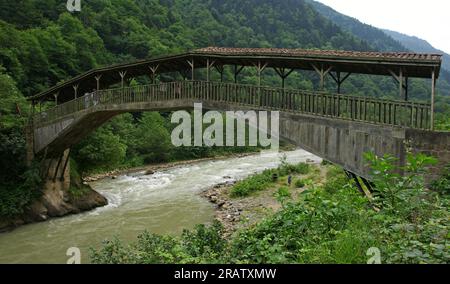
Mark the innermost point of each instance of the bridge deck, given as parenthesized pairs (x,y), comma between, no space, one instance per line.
(345,107)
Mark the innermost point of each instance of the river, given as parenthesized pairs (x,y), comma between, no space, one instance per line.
(165,203)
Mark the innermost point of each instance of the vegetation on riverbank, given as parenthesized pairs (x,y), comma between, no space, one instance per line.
(330,223)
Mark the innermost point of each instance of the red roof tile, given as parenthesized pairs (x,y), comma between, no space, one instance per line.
(319,53)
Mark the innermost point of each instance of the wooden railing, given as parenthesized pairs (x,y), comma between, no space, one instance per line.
(357,108)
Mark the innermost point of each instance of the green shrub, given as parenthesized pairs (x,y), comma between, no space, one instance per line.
(300,183)
(442,185)
(254,183)
(14,198)
(282,194)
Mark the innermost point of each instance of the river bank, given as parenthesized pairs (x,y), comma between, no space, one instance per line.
(62,198)
(152,168)
(165,203)
(237,213)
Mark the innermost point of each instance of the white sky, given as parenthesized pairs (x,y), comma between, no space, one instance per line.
(426,19)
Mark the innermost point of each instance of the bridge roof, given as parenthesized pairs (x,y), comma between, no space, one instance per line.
(416,65)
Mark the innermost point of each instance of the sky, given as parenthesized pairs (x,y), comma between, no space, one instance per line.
(426,19)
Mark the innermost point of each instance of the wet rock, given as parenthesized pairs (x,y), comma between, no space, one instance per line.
(113,177)
(149,172)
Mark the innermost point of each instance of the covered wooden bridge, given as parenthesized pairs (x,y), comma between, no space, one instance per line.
(337,127)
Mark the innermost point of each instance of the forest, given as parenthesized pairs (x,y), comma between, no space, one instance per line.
(42,44)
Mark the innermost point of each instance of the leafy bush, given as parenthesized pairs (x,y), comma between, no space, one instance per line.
(254,183)
(15,197)
(300,183)
(204,244)
(442,185)
(282,194)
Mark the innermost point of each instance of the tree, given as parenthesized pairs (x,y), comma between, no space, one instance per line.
(152,139)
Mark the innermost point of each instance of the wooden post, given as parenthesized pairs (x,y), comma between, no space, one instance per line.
(122,77)
(191,64)
(97,79)
(433,90)
(322,73)
(283,74)
(75,89)
(260,68)
(406,88)
(339,80)
(56,98)
(400,79)
(219,69)
(153,69)
(237,71)
(207,70)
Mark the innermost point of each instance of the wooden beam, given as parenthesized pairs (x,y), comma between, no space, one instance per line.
(153,69)
(122,77)
(192,65)
(339,80)
(75,89)
(209,64)
(433,91)
(56,98)
(260,68)
(220,69)
(97,79)
(237,71)
(322,73)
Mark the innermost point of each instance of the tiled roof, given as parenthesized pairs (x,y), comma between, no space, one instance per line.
(320,53)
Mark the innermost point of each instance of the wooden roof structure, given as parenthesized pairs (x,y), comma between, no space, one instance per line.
(398,65)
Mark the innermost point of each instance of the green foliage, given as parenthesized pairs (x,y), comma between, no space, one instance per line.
(254,183)
(201,245)
(101,150)
(402,195)
(322,227)
(336,179)
(152,139)
(15,197)
(300,183)
(282,194)
(442,185)
(285,168)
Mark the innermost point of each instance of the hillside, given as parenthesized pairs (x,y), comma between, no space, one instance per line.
(374,36)
(382,40)
(419,45)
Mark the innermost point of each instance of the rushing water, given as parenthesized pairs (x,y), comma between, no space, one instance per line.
(165,203)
